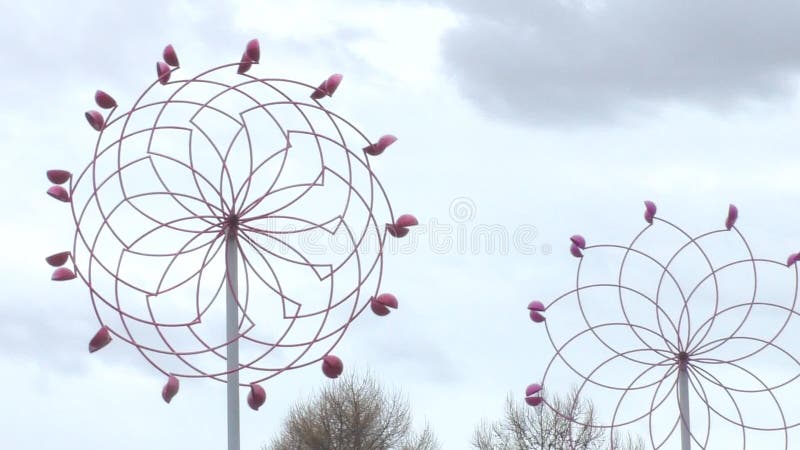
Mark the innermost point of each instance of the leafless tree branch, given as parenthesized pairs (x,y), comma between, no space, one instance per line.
(352,413)
(526,428)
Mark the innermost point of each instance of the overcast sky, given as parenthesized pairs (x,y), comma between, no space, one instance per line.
(534,119)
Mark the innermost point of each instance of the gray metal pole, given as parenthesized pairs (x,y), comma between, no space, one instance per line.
(683,404)
(232,330)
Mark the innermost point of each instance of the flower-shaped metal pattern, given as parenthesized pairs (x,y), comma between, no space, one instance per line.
(228,184)
(689,340)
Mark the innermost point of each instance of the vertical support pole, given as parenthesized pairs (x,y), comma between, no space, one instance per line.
(683,405)
(232,331)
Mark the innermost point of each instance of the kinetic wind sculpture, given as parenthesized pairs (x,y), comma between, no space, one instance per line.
(680,337)
(226,229)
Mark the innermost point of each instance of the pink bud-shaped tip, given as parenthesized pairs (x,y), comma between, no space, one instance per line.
(533,389)
(387,299)
(733,214)
(533,401)
(327,87)
(380,146)
(170,57)
(531,394)
(536,305)
(332,366)
(58,193)
(63,274)
(576,251)
(170,389)
(793,258)
(58,259)
(649,211)
(406,220)
(579,241)
(100,340)
(396,231)
(256,397)
(95,119)
(332,83)
(253,51)
(104,100)
(377,308)
(58,176)
(163,72)
(245,64)
(536,317)
(380,305)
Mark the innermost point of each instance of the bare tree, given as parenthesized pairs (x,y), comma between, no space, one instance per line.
(540,428)
(352,413)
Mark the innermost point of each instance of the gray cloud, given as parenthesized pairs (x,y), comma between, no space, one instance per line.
(590,61)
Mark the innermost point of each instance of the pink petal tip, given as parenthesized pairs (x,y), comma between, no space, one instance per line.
(58,193)
(170,389)
(327,87)
(256,397)
(396,231)
(533,389)
(58,176)
(58,259)
(104,100)
(170,57)
(576,251)
(245,64)
(536,316)
(533,401)
(733,214)
(63,274)
(536,305)
(332,366)
(649,211)
(406,220)
(532,396)
(380,305)
(95,119)
(163,72)
(792,259)
(378,147)
(100,340)
(579,241)
(253,51)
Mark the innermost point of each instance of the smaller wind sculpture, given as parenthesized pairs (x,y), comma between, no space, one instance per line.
(225,227)
(694,345)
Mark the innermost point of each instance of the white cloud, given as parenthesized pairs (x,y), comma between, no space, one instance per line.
(397,39)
